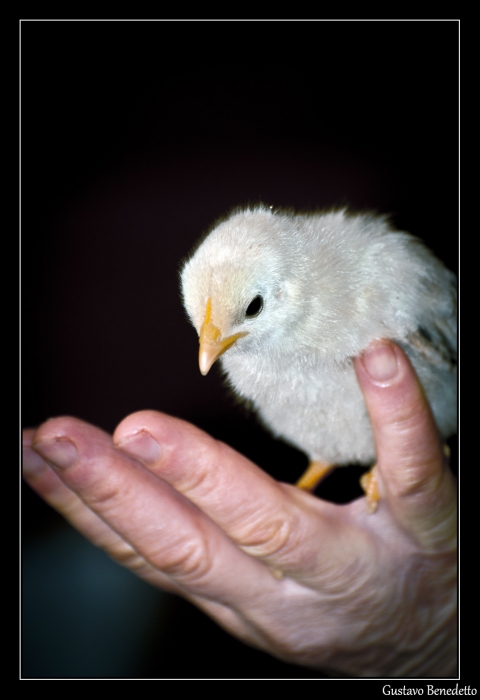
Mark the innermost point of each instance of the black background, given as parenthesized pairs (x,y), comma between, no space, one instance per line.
(135,137)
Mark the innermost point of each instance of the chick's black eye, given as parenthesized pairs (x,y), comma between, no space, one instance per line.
(254,308)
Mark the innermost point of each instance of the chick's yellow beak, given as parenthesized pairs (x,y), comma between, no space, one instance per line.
(212,345)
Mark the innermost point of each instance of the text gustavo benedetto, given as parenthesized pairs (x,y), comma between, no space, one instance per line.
(430,690)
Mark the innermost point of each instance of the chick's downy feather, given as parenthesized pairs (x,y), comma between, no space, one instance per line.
(292,299)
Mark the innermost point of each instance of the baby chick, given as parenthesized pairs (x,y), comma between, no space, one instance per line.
(287,300)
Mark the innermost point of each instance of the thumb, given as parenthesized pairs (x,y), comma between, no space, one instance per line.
(413,475)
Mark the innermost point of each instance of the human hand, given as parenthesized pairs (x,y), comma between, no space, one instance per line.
(311,582)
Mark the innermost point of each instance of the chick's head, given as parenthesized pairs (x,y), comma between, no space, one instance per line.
(238,288)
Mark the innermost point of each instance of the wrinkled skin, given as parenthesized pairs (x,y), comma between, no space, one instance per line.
(318,584)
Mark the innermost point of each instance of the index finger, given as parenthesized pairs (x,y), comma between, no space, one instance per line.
(290,530)
(413,473)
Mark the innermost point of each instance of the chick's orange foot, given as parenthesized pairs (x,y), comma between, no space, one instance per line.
(313,475)
(317,471)
(369,484)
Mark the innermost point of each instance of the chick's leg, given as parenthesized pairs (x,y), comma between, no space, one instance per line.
(369,484)
(315,472)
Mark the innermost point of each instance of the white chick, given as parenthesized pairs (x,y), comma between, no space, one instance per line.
(288,300)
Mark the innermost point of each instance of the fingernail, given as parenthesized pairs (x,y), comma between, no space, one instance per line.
(59,452)
(141,446)
(33,463)
(381,363)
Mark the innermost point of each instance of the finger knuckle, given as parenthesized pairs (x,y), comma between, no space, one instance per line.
(187,561)
(270,537)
